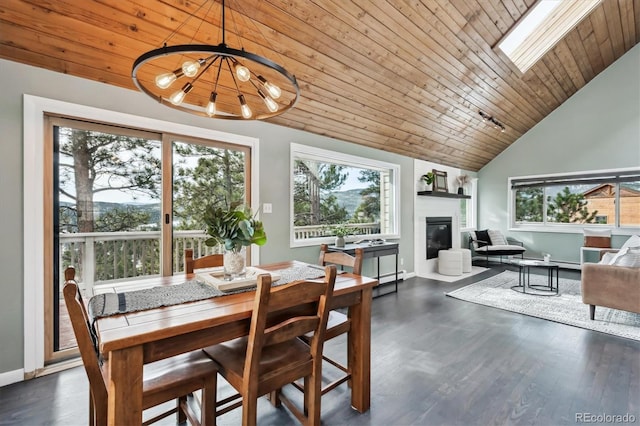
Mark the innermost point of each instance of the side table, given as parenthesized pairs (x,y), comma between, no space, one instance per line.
(524,275)
(373,251)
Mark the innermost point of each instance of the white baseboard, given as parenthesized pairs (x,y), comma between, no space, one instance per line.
(391,276)
(11,377)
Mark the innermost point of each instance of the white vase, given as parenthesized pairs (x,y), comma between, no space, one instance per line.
(339,241)
(235,264)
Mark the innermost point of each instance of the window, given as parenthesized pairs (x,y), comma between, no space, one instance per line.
(468,207)
(610,199)
(541,28)
(329,189)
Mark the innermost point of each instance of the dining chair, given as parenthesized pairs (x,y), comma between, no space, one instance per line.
(338,323)
(165,380)
(209,261)
(272,356)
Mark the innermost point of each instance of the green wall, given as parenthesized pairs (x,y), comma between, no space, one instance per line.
(273,188)
(597,128)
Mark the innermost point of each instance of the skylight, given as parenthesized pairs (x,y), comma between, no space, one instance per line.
(541,28)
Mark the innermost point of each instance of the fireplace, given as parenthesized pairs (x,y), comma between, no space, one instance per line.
(438,234)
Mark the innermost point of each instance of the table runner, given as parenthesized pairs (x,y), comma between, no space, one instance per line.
(107,304)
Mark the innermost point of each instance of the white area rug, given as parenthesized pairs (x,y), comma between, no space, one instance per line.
(450,279)
(567,308)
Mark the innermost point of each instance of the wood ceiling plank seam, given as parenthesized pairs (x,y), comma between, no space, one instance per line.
(452,94)
(384,144)
(69,16)
(479,20)
(444,47)
(56,25)
(536,82)
(510,109)
(513,82)
(614,26)
(427,94)
(514,11)
(628,23)
(446,130)
(56,64)
(588,37)
(51,46)
(413,139)
(347,60)
(464,76)
(522,6)
(569,63)
(560,74)
(548,80)
(165,18)
(341,116)
(498,16)
(580,56)
(598,21)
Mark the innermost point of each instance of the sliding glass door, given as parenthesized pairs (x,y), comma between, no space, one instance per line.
(123,204)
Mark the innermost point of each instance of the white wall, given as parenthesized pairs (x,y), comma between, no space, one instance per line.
(597,128)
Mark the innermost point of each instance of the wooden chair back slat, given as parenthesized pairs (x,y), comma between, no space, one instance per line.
(342,259)
(290,329)
(210,261)
(274,300)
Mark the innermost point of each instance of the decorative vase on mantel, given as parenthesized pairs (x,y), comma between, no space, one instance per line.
(460,190)
(235,263)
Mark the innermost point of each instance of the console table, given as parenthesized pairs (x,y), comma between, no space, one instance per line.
(373,251)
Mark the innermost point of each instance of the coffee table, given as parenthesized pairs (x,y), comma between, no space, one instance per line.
(524,274)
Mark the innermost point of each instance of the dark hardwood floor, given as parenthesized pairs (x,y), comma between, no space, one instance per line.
(435,361)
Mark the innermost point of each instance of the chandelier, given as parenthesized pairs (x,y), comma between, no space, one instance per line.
(215,81)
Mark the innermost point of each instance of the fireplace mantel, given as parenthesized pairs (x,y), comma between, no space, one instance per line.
(443,194)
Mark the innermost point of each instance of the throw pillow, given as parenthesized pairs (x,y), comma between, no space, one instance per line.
(607,258)
(483,239)
(633,241)
(630,259)
(496,238)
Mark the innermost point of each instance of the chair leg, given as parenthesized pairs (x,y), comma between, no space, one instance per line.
(208,413)
(249,410)
(592,312)
(97,411)
(180,414)
(313,394)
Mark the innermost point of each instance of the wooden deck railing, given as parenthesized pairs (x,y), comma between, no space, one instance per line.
(101,257)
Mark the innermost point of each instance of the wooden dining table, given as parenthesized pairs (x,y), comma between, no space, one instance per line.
(130,340)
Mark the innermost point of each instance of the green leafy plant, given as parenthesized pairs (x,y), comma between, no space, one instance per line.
(340,230)
(234,226)
(428,178)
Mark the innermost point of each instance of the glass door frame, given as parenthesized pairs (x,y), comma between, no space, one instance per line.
(37,167)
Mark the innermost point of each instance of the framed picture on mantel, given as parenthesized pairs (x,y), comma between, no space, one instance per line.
(440,181)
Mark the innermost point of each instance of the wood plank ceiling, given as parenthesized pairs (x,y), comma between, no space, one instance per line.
(404,76)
